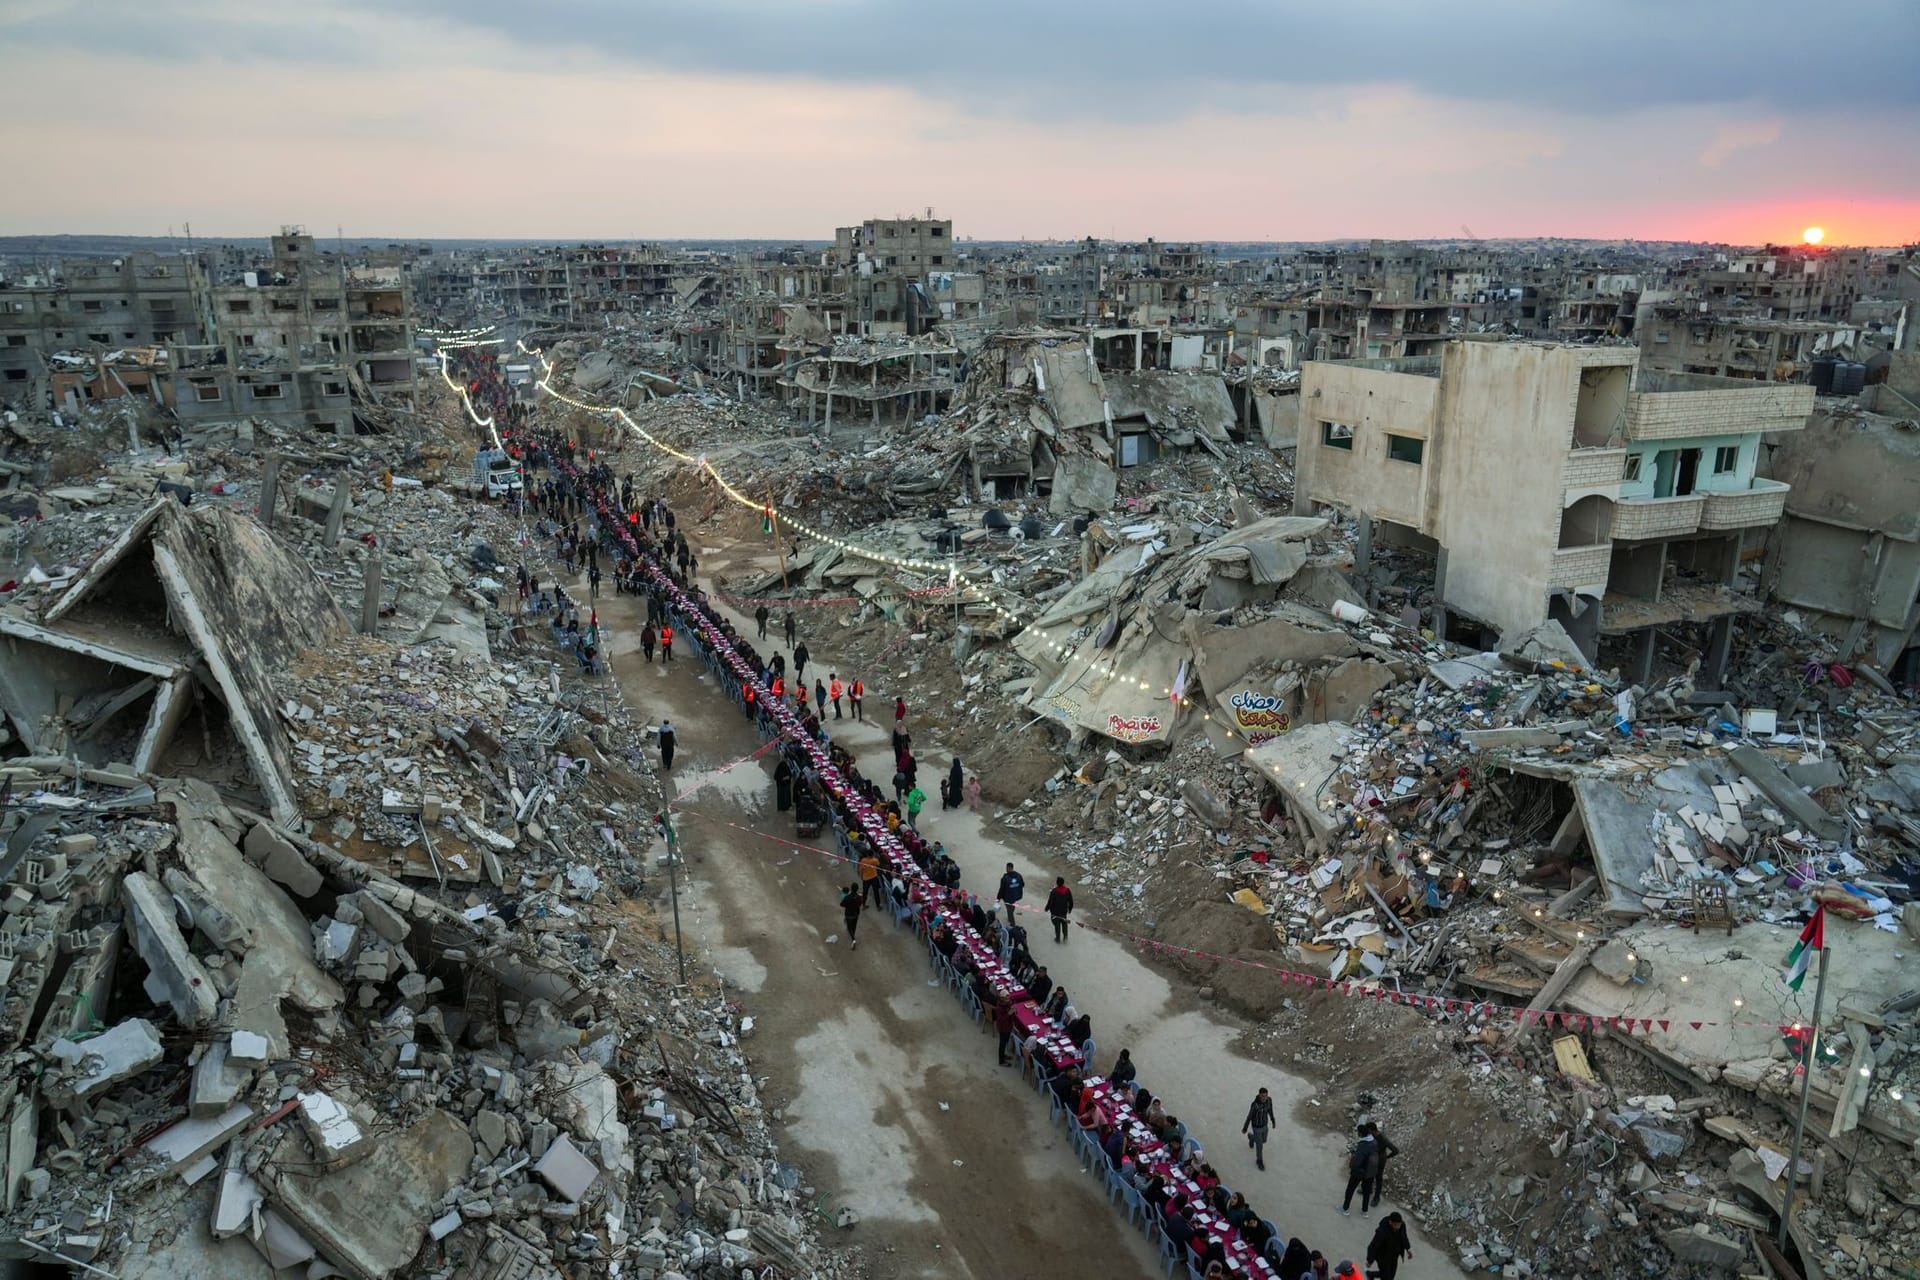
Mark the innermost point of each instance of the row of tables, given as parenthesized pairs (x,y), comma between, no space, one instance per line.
(937,905)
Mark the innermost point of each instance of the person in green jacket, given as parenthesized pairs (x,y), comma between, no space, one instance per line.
(916,801)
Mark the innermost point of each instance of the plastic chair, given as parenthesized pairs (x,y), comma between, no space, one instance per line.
(1189,1148)
(1170,1253)
(1087,1050)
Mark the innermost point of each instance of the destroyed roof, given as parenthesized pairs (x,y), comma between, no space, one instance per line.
(247,606)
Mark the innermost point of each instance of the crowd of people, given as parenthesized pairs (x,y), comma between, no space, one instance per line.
(589,514)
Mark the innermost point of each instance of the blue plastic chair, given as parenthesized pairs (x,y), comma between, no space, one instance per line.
(1170,1253)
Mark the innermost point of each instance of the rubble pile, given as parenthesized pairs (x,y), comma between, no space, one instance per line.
(357,972)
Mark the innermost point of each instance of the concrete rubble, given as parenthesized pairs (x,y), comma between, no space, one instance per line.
(296,974)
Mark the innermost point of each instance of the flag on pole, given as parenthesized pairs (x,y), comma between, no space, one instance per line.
(1812,939)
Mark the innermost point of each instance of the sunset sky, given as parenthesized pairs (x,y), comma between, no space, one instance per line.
(1236,120)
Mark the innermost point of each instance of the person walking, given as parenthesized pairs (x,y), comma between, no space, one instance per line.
(899,711)
(800,662)
(1059,907)
(792,629)
(870,877)
(667,744)
(836,691)
(1257,1125)
(819,696)
(850,905)
(1389,1246)
(1012,886)
(760,616)
(1363,1166)
(1387,1152)
(855,693)
(666,644)
(956,781)
(646,642)
(916,801)
(593,583)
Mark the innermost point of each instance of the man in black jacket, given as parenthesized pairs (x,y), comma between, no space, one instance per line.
(1256,1126)
(1059,907)
(1012,885)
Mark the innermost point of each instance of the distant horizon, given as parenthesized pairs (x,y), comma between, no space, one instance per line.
(363,240)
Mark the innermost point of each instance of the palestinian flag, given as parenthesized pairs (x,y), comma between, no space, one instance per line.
(1812,939)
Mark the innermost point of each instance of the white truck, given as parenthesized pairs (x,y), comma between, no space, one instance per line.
(495,474)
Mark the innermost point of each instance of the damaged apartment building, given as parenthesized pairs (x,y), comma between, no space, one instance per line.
(1551,482)
(296,338)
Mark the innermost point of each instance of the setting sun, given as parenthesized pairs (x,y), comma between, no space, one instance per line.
(1814,235)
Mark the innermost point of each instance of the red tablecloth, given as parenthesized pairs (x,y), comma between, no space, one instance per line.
(1155,1156)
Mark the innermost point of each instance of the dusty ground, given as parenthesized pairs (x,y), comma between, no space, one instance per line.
(860,1052)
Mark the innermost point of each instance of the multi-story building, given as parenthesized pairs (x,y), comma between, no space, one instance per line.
(887,263)
(1552,481)
(85,310)
(295,338)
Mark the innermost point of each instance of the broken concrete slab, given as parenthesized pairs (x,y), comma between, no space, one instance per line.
(285,866)
(217,1082)
(1777,787)
(371,1216)
(338,1138)
(1702,1246)
(196,1136)
(91,1066)
(566,1170)
(1082,482)
(173,968)
(239,1198)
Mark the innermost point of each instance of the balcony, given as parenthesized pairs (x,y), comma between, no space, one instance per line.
(1761,504)
(1593,468)
(1582,566)
(1636,519)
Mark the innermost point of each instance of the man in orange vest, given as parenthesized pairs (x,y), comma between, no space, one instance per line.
(854,695)
(835,691)
(666,643)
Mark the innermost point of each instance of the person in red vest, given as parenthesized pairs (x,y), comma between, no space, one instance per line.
(835,691)
(854,695)
(666,643)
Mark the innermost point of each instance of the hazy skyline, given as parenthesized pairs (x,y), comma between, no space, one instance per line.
(597,119)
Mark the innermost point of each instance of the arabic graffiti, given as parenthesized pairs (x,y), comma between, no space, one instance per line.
(1257,717)
(1133,728)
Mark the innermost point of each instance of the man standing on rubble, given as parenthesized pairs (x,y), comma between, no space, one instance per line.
(1059,907)
(760,616)
(667,743)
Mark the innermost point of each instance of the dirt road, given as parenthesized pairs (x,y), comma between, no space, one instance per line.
(862,1052)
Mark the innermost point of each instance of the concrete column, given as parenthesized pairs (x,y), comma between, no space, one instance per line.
(1713,671)
(370,596)
(1643,657)
(270,488)
(1440,616)
(1363,543)
(337,513)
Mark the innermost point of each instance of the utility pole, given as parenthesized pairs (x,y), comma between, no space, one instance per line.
(779,541)
(673,888)
(1806,1080)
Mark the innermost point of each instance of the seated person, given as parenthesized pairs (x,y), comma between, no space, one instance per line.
(1177,1228)
(1205,1176)
(1155,1192)
(1155,1115)
(1019,963)
(1168,1130)
(1142,1100)
(1057,1005)
(1238,1212)
(1114,1143)
(1218,1198)
(1039,984)
(944,942)
(1066,1086)
(1080,1030)
(976,915)
(1254,1232)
